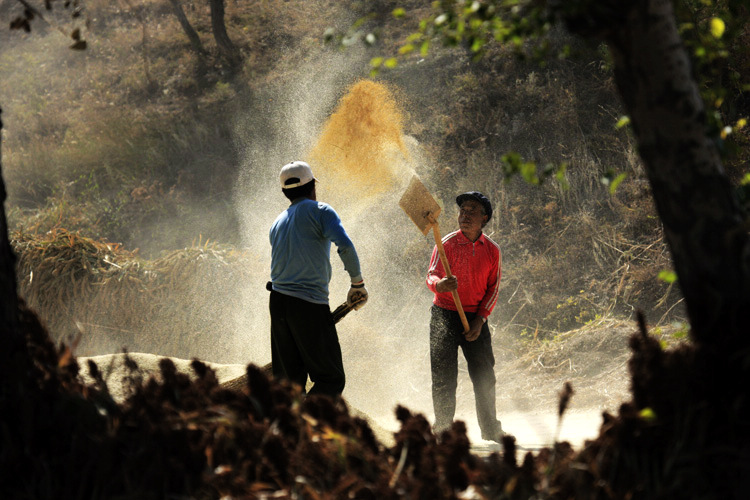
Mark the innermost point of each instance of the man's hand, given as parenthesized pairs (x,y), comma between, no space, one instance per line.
(357,296)
(447,284)
(475,328)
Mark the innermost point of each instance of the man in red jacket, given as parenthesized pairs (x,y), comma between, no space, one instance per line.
(475,262)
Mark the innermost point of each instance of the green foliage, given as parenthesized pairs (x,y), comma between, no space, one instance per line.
(574,311)
(612,179)
(668,276)
(512,164)
(715,33)
(356,33)
(477,24)
(623,121)
(647,414)
(380,62)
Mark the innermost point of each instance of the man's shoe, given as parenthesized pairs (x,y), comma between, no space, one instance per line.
(497,437)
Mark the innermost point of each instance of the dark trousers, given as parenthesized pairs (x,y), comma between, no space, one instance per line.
(304,342)
(446,336)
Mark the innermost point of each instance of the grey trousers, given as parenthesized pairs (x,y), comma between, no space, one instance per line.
(446,336)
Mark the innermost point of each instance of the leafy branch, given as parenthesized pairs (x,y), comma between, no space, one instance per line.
(30,12)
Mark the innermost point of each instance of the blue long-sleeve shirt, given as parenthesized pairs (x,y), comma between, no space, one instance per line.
(301,239)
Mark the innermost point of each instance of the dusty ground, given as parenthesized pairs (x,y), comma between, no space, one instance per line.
(530,377)
(593,359)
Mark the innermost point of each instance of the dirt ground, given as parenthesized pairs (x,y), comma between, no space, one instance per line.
(531,375)
(593,359)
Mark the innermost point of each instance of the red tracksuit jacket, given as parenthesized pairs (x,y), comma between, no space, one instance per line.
(477,266)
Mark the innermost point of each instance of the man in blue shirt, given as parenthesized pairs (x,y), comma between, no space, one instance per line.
(304,341)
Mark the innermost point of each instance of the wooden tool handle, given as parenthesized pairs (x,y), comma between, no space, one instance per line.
(447,267)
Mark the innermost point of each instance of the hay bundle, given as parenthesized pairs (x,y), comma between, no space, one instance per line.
(105,298)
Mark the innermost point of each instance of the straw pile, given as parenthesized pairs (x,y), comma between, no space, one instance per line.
(103,298)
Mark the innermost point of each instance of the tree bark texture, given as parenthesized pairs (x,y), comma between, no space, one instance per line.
(195,41)
(226,47)
(703,224)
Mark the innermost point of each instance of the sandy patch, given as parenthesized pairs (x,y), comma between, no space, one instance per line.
(117,375)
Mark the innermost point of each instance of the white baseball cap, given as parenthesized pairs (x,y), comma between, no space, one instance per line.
(295,174)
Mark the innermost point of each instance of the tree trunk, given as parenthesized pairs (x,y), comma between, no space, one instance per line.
(703,223)
(226,47)
(15,363)
(697,394)
(195,41)
(10,337)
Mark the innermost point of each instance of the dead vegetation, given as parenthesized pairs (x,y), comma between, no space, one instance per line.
(100,297)
(182,436)
(592,358)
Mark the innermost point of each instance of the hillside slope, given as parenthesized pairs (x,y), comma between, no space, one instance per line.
(141,142)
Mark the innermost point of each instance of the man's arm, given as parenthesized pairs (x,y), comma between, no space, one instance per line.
(488,302)
(435,273)
(334,231)
(436,280)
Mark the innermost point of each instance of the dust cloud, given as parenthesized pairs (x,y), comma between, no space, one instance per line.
(351,132)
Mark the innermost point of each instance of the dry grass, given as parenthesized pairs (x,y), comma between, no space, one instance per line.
(99,297)
(593,358)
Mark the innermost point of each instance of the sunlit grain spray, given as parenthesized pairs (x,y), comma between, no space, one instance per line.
(360,153)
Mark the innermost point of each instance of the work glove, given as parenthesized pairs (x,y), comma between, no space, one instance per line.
(357,295)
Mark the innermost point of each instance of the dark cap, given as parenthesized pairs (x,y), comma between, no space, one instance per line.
(476,195)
